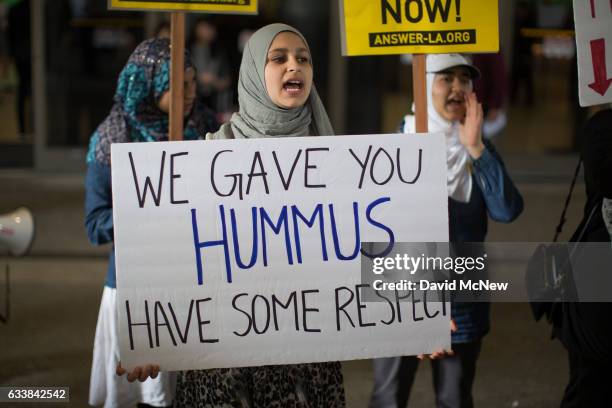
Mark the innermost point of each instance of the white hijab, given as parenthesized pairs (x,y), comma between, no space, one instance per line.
(459,177)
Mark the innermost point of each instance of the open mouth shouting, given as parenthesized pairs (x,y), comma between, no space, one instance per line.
(456,102)
(293,87)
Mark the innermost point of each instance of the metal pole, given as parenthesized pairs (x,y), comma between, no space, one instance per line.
(39,81)
(5,319)
(336,89)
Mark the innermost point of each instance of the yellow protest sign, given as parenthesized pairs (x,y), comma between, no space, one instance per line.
(377,27)
(210,6)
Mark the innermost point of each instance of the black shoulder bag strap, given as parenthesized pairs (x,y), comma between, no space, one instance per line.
(562,220)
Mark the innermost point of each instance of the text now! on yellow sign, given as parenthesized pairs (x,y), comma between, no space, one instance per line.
(376,27)
(211,6)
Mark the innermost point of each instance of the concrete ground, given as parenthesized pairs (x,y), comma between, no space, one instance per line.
(55,294)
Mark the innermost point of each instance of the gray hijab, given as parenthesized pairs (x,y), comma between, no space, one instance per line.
(258,116)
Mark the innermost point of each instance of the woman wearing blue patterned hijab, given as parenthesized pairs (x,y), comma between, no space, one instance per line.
(139,114)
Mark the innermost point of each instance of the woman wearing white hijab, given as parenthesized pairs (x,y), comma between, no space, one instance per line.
(277,99)
(478,187)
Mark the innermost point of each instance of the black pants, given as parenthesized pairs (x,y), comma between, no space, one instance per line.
(453,377)
(589,384)
(586,333)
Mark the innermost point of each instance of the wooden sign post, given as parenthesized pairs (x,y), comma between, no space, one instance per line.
(177,41)
(419,86)
(419,27)
(177,74)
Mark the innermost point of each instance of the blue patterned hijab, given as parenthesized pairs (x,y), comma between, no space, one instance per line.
(135,116)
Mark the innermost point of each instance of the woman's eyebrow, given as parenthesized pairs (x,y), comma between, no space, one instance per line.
(286,50)
(278,50)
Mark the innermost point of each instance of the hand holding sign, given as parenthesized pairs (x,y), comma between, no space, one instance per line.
(139,373)
(441,353)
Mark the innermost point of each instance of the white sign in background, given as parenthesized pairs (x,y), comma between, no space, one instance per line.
(593,21)
(216,268)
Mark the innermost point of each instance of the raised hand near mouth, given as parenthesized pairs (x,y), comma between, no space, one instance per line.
(470,130)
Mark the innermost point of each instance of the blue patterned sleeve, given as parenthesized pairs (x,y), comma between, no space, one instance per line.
(98,204)
(504,201)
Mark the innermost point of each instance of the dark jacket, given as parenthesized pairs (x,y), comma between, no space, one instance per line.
(584,327)
(494,195)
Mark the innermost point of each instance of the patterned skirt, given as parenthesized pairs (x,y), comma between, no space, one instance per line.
(317,385)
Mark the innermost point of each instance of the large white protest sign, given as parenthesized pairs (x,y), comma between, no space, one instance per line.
(593,20)
(240,253)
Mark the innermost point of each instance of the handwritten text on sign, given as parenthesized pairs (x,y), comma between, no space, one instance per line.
(240,253)
(375,27)
(210,6)
(593,20)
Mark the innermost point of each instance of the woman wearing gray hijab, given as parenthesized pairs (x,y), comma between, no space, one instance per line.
(277,99)
(265,110)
